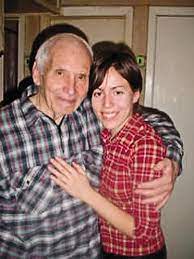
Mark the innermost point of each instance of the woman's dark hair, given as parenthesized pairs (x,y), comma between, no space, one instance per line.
(122,58)
(50,31)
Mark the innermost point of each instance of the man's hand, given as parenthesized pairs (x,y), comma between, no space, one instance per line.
(158,191)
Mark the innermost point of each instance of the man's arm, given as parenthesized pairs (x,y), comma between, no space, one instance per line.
(159,191)
(165,127)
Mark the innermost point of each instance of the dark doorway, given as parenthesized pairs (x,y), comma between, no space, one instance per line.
(10,59)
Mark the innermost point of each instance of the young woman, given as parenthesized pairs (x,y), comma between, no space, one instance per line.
(129,228)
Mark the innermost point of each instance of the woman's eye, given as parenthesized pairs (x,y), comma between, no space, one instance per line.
(97,94)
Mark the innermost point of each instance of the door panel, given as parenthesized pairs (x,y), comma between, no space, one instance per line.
(1,47)
(169,87)
(100,23)
(10,57)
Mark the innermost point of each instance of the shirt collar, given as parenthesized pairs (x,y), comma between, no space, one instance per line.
(29,110)
(131,128)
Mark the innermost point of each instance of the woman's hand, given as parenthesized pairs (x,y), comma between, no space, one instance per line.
(71,178)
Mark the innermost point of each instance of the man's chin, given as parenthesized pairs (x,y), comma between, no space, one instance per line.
(69,110)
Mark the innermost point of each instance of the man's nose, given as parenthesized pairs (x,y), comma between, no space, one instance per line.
(70,84)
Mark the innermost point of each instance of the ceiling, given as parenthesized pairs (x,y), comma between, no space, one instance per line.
(31,6)
(38,6)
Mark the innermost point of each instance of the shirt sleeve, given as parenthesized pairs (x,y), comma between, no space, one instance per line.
(147,152)
(165,127)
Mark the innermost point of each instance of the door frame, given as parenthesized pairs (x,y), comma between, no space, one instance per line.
(21,38)
(21,42)
(1,46)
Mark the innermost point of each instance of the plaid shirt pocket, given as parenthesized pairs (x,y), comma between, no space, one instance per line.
(35,191)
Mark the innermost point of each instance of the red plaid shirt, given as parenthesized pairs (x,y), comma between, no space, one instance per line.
(128,160)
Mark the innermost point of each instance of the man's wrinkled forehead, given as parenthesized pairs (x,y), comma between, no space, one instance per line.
(80,40)
(70,40)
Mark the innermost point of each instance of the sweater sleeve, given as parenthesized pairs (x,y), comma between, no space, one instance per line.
(165,128)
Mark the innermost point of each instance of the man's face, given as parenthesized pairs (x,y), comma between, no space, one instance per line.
(64,84)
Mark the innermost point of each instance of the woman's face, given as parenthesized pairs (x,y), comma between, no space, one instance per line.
(113,101)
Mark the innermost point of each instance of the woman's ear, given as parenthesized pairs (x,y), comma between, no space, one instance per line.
(36,75)
(136,96)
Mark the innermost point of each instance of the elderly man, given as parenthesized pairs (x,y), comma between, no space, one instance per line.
(52,118)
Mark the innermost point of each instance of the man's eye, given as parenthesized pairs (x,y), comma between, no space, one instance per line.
(59,72)
(118,92)
(82,77)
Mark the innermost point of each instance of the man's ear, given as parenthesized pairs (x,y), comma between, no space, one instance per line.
(36,75)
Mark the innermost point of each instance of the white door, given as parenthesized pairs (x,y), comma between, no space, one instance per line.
(170,87)
(100,23)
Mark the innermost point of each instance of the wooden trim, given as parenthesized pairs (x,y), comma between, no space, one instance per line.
(45,20)
(27,14)
(32,28)
(46,4)
(21,41)
(127,3)
(140,30)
